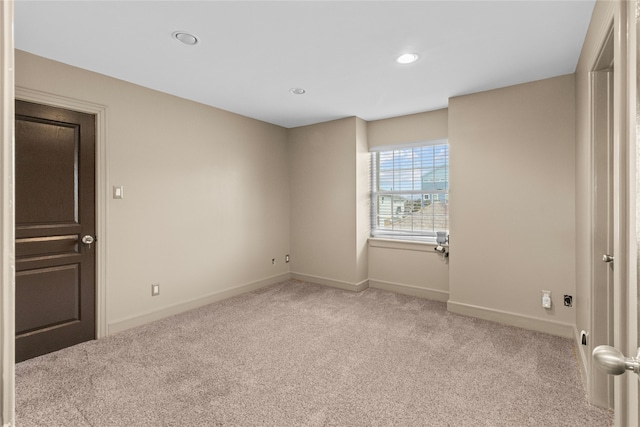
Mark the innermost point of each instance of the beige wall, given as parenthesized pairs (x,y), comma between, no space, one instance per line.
(190,171)
(410,268)
(406,129)
(512,203)
(326,213)
(206,202)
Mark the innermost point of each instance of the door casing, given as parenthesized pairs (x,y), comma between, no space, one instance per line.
(625,298)
(7,199)
(628,339)
(620,15)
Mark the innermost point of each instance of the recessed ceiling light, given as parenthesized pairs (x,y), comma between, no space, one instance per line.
(407,58)
(297,91)
(185,37)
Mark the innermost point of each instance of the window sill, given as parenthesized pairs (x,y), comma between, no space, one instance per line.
(406,245)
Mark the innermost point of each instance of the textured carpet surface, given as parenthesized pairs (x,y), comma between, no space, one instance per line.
(297,354)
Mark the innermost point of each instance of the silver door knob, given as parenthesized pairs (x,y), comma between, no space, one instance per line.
(87,240)
(607,258)
(612,361)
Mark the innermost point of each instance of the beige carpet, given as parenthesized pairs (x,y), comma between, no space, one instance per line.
(296,354)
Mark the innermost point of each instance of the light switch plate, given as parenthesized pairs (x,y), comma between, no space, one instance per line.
(118,192)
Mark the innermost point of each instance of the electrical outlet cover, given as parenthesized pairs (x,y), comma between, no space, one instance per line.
(546,299)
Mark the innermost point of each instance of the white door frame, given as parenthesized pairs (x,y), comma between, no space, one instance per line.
(7,253)
(626,339)
(625,210)
(625,287)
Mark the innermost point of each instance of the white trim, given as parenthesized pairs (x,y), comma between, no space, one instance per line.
(347,286)
(102,190)
(624,415)
(150,316)
(631,228)
(7,225)
(513,319)
(426,293)
(583,362)
(404,245)
(414,144)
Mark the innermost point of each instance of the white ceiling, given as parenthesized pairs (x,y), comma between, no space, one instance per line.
(341,52)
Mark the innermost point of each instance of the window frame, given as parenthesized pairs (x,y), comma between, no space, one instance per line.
(429,196)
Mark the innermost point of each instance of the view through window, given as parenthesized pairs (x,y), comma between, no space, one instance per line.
(410,191)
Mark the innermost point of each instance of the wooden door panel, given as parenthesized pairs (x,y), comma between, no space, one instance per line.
(43,230)
(32,247)
(55,207)
(46,181)
(52,295)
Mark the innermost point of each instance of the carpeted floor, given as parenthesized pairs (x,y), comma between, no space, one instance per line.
(297,354)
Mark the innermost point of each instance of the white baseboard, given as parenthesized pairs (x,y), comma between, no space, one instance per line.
(347,286)
(583,361)
(552,327)
(432,294)
(141,319)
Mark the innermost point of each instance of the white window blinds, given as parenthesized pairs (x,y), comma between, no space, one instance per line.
(410,191)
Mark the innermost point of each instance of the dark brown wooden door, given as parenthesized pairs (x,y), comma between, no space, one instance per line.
(55,208)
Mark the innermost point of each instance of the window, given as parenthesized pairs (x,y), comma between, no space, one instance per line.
(410,191)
